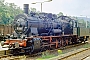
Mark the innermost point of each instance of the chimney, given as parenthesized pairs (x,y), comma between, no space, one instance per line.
(26,8)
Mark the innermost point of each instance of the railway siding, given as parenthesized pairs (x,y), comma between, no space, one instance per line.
(63,55)
(72,55)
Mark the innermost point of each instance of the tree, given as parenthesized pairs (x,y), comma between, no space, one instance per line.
(60,14)
(8,11)
(88,24)
(33,9)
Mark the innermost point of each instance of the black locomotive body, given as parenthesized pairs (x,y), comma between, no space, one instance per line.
(42,24)
(43,31)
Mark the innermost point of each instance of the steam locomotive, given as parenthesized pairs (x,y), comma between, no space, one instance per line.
(45,25)
(41,31)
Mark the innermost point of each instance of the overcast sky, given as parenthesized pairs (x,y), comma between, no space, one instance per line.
(68,7)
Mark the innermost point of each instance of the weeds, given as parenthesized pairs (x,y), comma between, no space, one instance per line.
(47,54)
(86,46)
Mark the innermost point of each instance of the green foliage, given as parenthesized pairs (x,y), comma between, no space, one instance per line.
(33,9)
(8,11)
(86,45)
(81,23)
(60,14)
(88,24)
(46,55)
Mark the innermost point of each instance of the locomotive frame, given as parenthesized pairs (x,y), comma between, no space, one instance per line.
(40,43)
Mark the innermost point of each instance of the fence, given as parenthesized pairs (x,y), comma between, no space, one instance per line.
(6,29)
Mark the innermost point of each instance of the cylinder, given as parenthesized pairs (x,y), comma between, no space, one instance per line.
(26,8)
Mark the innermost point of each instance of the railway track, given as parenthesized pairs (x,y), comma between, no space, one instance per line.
(76,55)
(62,48)
(54,52)
(86,57)
(9,56)
(80,54)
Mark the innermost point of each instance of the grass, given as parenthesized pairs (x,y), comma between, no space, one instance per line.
(86,46)
(47,55)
